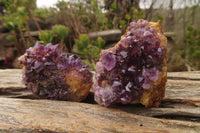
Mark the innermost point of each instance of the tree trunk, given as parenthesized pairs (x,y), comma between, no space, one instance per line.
(36,23)
(28,30)
(19,50)
(22,37)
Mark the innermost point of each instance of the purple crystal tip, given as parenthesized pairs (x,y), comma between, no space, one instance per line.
(48,73)
(132,66)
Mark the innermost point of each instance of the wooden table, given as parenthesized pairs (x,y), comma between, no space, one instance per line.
(21,112)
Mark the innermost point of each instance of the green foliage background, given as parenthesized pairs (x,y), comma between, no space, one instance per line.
(89,50)
(191,49)
(68,24)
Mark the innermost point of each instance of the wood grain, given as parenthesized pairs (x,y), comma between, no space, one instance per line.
(21,112)
(193,75)
(11,79)
(70,116)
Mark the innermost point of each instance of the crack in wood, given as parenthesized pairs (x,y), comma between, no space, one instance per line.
(178,112)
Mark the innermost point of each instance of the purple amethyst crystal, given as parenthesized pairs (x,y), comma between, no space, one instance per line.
(125,71)
(108,60)
(48,73)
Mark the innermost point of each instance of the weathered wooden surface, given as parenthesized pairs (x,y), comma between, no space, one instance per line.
(169,34)
(107,35)
(193,75)
(71,116)
(179,111)
(11,79)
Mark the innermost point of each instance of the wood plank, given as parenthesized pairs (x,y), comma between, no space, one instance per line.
(187,91)
(11,83)
(169,34)
(167,110)
(182,100)
(107,35)
(181,89)
(193,75)
(63,116)
(11,79)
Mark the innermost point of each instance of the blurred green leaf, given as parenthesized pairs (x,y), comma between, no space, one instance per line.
(22,11)
(122,25)
(10,38)
(190,28)
(94,43)
(113,6)
(128,17)
(191,49)
(100,42)
(60,31)
(160,18)
(88,51)
(198,42)
(44,12)
(197,55)
(195,32)
(46,37)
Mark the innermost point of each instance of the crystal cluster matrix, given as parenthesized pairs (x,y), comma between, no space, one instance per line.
(51,74)
(134,70)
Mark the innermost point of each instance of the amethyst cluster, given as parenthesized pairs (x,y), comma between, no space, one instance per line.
(48,73)
(131,67)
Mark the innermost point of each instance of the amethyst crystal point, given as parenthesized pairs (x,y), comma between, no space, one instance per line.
(48,73)
(134,70)
(108,60)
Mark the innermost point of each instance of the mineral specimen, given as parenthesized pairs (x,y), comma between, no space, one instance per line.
(134,70)
(48,73)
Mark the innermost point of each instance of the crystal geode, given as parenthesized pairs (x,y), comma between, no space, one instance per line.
(48,73)
(134,70)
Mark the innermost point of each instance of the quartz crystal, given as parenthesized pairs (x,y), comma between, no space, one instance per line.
(134,70)
(48,73)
